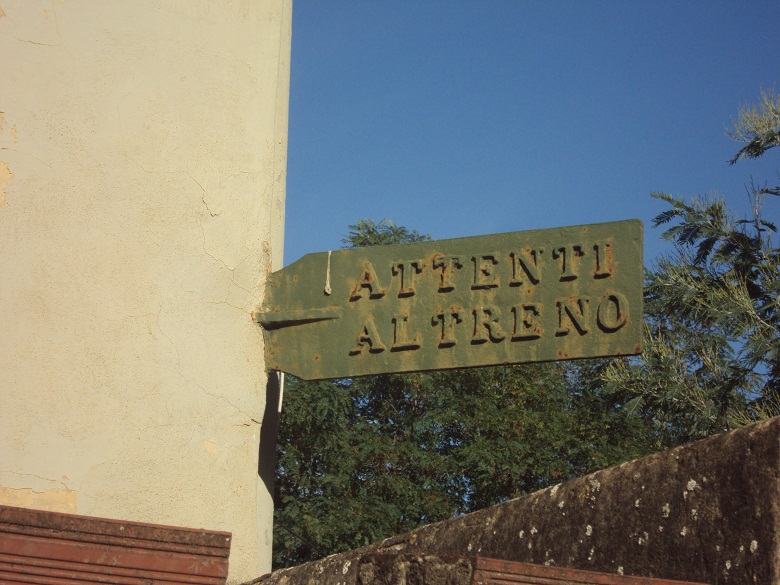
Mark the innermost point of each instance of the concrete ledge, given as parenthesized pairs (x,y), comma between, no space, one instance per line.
(705,512)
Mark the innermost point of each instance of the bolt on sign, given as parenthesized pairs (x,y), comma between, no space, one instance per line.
(530,296)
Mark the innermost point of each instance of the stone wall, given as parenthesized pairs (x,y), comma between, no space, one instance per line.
(706,512)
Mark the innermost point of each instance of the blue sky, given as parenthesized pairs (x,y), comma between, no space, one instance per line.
(465,118)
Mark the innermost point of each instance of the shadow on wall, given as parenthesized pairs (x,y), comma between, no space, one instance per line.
(269,428)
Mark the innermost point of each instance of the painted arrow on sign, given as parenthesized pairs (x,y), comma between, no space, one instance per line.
(529,296)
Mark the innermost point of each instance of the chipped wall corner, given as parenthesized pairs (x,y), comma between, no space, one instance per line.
(5,176)
(50,500)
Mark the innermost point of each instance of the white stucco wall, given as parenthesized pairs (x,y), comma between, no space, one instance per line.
(142,177)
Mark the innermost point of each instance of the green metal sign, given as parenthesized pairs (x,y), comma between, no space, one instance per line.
(531,296)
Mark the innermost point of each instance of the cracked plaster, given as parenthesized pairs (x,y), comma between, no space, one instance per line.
(145,209)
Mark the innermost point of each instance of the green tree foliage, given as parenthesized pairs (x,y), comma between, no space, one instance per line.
(757,126)
(362,459)
(366,232)
(712,350)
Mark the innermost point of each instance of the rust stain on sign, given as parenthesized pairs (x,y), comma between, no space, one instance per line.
(48,547)
(531,296)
